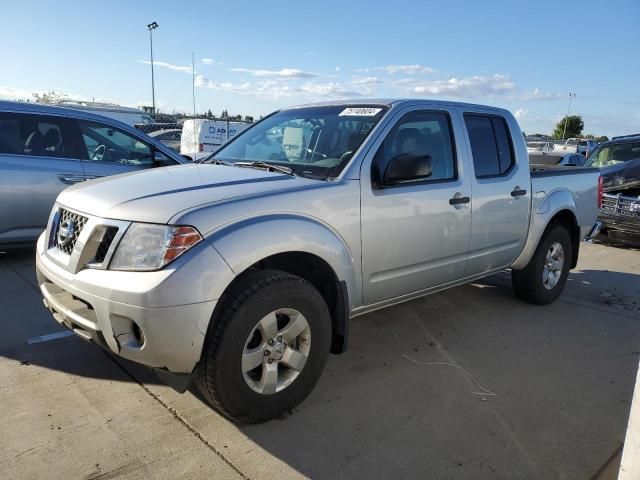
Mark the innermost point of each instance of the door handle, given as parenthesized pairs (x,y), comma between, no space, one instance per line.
(459,200)
(70,178)
(518,192)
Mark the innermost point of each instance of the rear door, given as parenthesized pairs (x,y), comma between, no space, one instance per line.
(38,159)
(500,190)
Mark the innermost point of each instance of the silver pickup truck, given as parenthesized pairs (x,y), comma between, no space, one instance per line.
(243,273)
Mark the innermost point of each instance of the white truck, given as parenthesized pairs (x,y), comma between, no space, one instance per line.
(201,136)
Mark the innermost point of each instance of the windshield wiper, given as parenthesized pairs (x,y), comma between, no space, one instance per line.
(265,165)
(215,161)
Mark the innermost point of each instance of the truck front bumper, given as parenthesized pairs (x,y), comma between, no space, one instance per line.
(128,319)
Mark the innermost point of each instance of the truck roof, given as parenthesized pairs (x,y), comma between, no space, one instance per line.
(394,102)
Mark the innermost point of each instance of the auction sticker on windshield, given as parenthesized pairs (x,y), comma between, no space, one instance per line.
(360,112)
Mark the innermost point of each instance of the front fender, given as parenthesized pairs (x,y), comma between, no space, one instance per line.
(250,240)
(545,208)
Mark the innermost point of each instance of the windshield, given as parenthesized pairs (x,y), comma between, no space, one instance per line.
(608,155)
(572,141)
(314,142)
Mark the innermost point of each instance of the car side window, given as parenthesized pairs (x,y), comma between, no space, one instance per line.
(418,134)
(104,143)
(35,135)
(491,145)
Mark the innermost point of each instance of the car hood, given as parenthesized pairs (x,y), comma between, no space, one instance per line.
(621,176)
(157,195)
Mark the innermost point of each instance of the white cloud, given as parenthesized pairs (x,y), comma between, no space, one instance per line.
(271,89)
(177,68)
(282,73)
(536,94)
(202,81)
(330,89)
(475,86)
(520,113)
(406,69)
(338,68)
(208,61)
(10,93)
(358,80)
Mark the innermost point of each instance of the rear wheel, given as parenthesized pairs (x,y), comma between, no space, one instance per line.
(266,350)
(545,276)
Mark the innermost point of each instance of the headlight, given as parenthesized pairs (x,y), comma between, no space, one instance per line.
(150,247)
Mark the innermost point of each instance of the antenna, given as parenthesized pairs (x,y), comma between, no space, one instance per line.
(193,95)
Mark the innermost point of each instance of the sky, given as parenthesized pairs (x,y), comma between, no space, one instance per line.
(253,57)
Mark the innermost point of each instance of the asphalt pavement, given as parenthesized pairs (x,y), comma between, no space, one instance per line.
(470,383)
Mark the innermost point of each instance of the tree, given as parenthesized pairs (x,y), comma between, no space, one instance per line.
(49,97)
(574,127)
(224,114)
(603,138)
(209,114)
(248,118)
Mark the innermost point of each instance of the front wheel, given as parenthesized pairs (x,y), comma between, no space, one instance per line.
(266,350)
(545,276)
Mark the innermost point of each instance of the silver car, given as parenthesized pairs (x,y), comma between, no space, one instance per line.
(44,149)
(243,273)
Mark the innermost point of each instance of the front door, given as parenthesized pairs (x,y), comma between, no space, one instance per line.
(415,234)
(109,150)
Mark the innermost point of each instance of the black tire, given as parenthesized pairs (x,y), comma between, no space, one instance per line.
(219,374)
(528,282)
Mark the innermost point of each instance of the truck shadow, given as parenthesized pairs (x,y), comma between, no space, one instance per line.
(393,406)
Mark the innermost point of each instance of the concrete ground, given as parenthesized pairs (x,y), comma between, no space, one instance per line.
(547,392)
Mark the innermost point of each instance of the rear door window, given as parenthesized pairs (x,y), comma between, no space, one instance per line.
(36,135)
(491,146)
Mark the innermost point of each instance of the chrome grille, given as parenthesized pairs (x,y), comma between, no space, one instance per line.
(72,224)
(621,205)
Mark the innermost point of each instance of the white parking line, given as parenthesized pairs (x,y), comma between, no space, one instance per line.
(49,337)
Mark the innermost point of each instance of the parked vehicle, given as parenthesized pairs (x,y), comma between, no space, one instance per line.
(169,137)
(44,149)
(557,159)
(128,115)
(243,273)
(619,164)
(200,137)
(577,145)
(539,147)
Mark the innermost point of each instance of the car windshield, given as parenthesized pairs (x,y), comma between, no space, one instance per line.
(315,142)
(572,141)
(608,155)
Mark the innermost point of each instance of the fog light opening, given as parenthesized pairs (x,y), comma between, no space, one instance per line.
(137,334)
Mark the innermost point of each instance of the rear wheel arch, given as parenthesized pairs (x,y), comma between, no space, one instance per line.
(567,219)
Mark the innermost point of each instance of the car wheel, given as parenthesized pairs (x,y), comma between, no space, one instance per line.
(545,276)
(267,348)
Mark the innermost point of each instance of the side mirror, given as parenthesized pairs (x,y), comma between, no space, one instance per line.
(161,160)
(407,167)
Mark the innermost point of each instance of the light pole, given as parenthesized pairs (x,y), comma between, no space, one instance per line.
(564,130)
(151,27)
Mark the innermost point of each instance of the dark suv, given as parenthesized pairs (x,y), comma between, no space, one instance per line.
(619,163)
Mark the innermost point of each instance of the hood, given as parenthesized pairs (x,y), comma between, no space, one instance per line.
(621,176)
(158,194)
